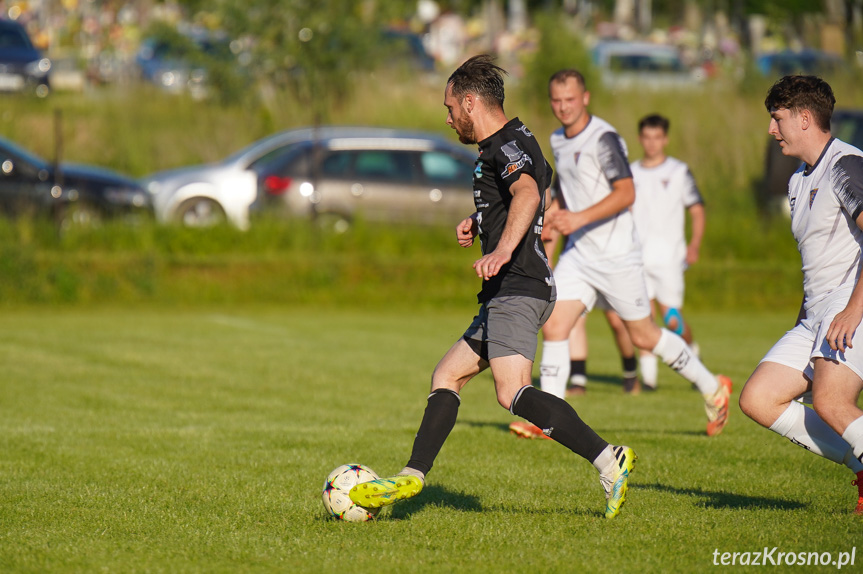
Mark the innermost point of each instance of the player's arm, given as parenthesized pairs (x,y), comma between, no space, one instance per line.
(522,209)
(622,197)
(697,218)
(847,180)
(615,166)
(466,230)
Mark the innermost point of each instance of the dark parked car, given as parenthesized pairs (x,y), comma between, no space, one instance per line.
(847,125)
(68,193)
(22,66)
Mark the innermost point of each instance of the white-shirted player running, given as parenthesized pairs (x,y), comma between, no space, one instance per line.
(665,192)
(603,254)
(822,354)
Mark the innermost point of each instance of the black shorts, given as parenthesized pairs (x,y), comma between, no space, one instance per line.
(508,326)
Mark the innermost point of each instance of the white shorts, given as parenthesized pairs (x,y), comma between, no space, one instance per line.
(807,341)
(623,287)
(665,284)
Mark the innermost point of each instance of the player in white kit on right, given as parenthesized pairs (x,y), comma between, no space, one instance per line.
(665,192)
(822,354)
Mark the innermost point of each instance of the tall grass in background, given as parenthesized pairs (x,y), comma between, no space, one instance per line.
(748,258)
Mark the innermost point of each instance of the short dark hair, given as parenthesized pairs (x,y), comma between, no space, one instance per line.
(561,76)
(479,76)
(654,121)
(797,93)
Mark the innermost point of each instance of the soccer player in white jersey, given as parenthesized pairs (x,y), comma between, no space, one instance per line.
(603,254)
(665,192)
(822,356)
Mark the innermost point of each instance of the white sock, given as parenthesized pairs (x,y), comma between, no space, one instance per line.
(408,471)
(649,366)
(803,427)
(578,380)
(554,368)
(677,355)
(853,435)
(605,461)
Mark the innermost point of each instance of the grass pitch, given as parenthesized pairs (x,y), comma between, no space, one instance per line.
(198,441)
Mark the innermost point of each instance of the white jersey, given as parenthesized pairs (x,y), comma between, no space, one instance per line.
(825,201)
(663,193)
(587,165)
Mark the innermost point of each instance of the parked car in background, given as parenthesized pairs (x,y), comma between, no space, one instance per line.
(643,65)
(778,64)
(22,66)
(334,172)
(847,125)
(68,193)
(376,174)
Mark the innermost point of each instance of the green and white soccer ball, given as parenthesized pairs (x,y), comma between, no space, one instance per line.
(336,489)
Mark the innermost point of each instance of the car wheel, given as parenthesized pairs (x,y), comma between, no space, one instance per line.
(200,212)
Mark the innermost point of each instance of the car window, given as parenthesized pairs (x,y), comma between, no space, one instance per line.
(337,164)
(383,165)
(13,38)
(443,169)
(287,160)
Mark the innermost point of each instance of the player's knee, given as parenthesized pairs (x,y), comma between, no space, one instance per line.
(826,408)
(504,399)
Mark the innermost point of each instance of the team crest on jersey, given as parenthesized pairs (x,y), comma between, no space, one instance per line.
(523,129)
(665,183)
(812,196)
(477,171)
(517,159)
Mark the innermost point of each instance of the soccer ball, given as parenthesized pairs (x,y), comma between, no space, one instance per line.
(336,488)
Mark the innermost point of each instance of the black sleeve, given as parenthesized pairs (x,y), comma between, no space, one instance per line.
(847,180)
(612,157)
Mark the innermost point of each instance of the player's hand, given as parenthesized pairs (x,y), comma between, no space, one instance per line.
(548,234)
(466,230)
(842,329)
(692,253)
(566,222)
(490,265)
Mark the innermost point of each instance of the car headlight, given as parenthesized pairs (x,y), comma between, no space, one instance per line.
(126,196)
(38,68)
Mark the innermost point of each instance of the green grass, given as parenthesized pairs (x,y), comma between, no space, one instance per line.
(153,440)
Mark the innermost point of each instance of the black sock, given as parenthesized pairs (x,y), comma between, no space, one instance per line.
(549,412)
(438,420)
(630,367)
(577,367)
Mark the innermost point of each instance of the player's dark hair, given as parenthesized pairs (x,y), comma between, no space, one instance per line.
(654,121)
(479,76)
(798,93)
(561,76)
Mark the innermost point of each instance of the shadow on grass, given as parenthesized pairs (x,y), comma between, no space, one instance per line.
(713,499)
(436,496)
(483,424)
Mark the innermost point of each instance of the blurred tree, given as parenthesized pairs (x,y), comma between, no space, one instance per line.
(310,47)
(559,47)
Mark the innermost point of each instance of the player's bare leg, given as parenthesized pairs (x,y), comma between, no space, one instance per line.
(674,351)
(769,396)
(624,344)
(578,348)
(554,367)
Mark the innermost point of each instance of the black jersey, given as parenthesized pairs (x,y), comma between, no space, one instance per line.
(503,158)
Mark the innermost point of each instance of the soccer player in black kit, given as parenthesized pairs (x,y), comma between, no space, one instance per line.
(517,296)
